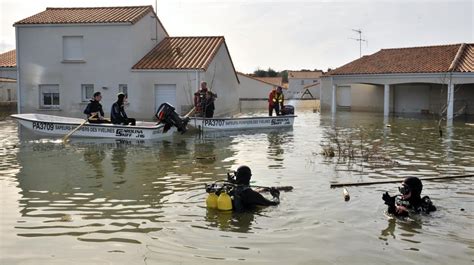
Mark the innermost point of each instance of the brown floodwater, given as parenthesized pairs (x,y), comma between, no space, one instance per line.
(123,202)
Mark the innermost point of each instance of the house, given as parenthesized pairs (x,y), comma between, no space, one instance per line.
(303,84)
(427,79)
(8,79)
(254,91)
(64,55)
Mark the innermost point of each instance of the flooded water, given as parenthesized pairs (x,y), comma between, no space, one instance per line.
(119,202)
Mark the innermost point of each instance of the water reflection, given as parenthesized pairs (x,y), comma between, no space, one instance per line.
(409,230)
(240,222)
(143,202)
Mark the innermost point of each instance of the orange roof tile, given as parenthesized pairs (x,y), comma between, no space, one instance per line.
(466,60)
(277,81)
(8,59)
(80,15)
(181,53)
(428,59)
(305,74)
(264,79)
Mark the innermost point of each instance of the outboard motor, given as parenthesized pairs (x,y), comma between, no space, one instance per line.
(167,115)
(288,110)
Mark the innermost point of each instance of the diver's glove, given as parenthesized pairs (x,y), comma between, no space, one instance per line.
(389,200)
(274,192)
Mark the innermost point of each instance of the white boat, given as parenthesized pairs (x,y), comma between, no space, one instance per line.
(57,125)
(242,123)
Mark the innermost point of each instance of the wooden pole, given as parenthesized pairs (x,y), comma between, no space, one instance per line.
(339,185)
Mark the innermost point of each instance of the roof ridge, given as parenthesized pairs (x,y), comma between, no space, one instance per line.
(456,59)
(96,7)
(196,37)
(428,46)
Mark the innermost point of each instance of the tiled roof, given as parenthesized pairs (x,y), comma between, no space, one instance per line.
(261,79)
(429,59)
(277,81)
(84,15)
(465,62)
(8,59)
(304,74)
(181,53)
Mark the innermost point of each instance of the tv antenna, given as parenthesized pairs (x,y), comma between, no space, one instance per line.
(360,40)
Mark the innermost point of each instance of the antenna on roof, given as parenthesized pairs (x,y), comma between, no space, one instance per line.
(360,40)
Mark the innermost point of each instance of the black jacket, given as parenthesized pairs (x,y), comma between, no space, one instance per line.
(246,198)
(117,114)
(94,106)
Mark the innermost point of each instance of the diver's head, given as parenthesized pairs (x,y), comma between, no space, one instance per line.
(242,175)
(411,188)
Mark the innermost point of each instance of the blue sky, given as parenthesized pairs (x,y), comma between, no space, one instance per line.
(289,34)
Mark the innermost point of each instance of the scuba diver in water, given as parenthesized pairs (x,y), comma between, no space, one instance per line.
(247,198)
(409,200)
(236,193)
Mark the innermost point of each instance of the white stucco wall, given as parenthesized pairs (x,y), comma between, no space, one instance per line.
(296,89)
(225,83)
(220,77)
(109,53)
(7,91)
(253,89)
(409,93)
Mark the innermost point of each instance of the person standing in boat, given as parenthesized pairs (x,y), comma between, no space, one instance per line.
(409,200)
(117,113)
(200,101)
(209,105)
(275,101)
(94,111)
(246,198)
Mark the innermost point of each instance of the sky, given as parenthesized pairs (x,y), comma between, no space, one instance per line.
(289,35)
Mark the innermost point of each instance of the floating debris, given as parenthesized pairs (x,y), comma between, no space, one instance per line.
(347,197)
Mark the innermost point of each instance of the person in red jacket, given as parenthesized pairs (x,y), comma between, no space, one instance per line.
(275,101)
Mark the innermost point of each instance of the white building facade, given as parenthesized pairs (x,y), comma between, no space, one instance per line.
(62,62)
(304,84)
(427,80)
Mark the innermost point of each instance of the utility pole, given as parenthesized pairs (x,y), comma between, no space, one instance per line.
(360,40)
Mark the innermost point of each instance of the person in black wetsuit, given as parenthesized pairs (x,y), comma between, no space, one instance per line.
(117,113)
(244,197)
(94,111)
(409,200)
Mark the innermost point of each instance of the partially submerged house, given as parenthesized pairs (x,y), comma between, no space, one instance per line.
(8,79)
(254,91)
(64,55)
(432,79)
(304,84)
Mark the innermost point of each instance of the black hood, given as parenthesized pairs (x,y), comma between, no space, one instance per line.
(415,186)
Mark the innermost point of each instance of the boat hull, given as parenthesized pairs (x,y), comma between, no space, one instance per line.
(56,125)
(242,123)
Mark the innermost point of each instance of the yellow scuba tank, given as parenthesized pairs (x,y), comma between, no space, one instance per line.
(224,202)
(211,201)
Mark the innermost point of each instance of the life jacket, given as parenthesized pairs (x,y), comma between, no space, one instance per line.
(278,98)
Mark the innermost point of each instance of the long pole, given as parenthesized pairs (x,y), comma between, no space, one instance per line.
(338,185)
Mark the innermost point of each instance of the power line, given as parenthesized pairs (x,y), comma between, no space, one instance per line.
(360,40)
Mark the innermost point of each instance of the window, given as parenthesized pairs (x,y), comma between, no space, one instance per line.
(87,91)
(302,82)
(49,96)
(73,48)
(123,89)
